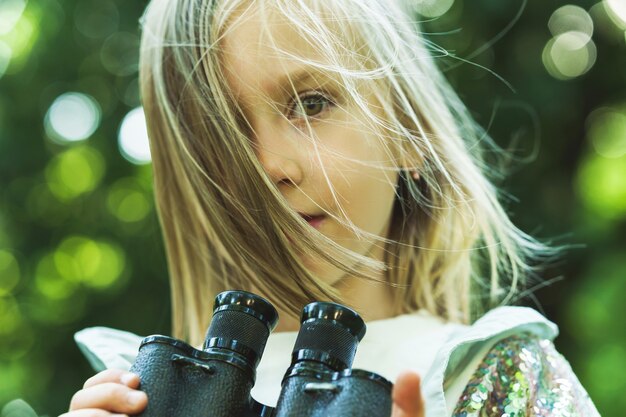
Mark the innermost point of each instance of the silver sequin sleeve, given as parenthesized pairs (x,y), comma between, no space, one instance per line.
(522,376)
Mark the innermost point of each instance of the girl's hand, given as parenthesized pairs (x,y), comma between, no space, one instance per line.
(112,392)
(407,396)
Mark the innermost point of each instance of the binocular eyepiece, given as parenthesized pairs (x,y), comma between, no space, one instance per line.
(329,334)
(217,380)
(241,323)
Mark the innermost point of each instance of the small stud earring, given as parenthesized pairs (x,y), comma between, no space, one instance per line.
(412,173)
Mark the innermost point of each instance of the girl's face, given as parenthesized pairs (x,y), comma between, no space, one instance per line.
(341,149)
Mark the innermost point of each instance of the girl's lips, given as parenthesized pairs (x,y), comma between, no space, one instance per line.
(314,221)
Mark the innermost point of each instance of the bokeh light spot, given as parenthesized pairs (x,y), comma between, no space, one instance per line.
(5,57)
(66,265)
(10,13)
(432,8)
(90,262)
(74,172)
(120,54)
(96,19)
(110,268)
(9,272)
(50,281)
(604,24)
(601,185)
(133,137)
(127,201)
(10,316)
(72,117)
(81,256)
(571,18)
(131,95)
(79,261)
(617,11)
(606,130)
(569,55)
(23,36)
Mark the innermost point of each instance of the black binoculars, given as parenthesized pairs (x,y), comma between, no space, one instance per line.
(182,381)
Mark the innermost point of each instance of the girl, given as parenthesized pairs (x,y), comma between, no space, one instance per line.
(311,150)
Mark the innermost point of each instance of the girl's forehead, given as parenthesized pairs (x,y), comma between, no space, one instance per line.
(261,52)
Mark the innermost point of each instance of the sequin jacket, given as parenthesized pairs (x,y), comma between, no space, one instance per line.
(524,376)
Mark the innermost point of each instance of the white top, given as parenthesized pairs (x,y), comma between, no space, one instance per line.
(419,341)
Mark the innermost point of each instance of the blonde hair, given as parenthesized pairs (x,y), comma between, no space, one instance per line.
(451,247)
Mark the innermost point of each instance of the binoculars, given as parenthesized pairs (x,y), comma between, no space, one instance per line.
(182,381)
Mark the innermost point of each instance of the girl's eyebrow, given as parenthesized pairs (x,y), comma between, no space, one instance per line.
(275,89)
(295,77)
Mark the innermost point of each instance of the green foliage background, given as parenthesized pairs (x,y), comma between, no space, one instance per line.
(79,240)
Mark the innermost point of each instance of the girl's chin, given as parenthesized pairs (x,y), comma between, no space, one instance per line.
(323,271)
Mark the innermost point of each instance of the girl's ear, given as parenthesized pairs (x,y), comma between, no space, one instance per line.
(411,159)
(415,174)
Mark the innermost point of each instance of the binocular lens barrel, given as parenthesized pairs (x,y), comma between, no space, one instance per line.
(241,322)
(217,381)
(329,334)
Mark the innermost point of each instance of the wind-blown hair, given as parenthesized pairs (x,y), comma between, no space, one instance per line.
(451,247)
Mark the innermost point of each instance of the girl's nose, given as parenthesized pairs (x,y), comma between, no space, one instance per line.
(280,161)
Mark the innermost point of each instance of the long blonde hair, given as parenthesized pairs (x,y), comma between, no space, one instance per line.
(451,247)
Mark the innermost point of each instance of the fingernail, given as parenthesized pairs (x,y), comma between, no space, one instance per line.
(127,378)
(136,397)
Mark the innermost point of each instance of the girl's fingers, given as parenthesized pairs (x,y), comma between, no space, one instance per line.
(110,396)
(113,375)
(91,412)
(407,396)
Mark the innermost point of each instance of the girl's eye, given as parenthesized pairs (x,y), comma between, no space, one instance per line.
(309,105)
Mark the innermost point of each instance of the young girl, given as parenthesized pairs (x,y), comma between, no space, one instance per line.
(311,150)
